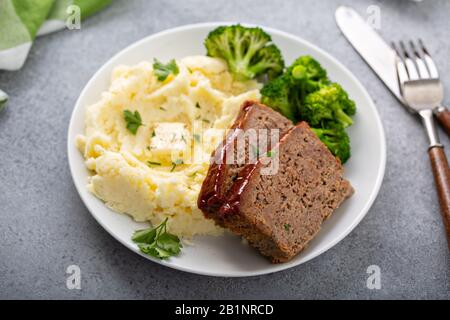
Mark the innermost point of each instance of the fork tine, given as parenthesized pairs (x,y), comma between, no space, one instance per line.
(421,67)
(400,65)
(433,72)
(410,66)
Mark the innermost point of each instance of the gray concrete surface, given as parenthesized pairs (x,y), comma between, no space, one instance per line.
(44,226)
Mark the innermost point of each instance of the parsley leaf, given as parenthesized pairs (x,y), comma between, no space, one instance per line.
(157,242)
(133,120)
(197,137)
(169,242)
(287,227)
(144,236)
(162,71)
(174,164)
(153,163)
(193,174)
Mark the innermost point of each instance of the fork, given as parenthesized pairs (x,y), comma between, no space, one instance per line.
(422,91)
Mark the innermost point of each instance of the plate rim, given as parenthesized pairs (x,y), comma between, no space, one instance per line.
(280,267)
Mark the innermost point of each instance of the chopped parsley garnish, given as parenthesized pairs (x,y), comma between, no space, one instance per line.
(183,138)
(157,242)
(161,108)
(153,134)
(133,120)
(287,227)
(206,121)
(193,174)
(162,71)
(153,163)
(197,105)
(271,153)
(197,137)
(175,164)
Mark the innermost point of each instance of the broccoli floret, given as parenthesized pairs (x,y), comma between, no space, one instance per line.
(247,51)
(329,104)
(307,75)
(268,60)
(306,67)
(304,92)
(337,141)
(276,94)
(303,76)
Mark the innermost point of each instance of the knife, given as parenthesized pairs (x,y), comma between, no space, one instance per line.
(377,54)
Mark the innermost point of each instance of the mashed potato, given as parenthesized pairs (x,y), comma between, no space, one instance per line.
(158,172)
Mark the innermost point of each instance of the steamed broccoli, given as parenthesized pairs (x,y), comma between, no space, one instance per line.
(337,140)
(307,70)
(287,92)
(329,104)
(247,51)
(304,92)
(306,75)
(276,95)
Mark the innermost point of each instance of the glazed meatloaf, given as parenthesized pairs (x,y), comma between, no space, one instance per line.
(280,213)
(222,172)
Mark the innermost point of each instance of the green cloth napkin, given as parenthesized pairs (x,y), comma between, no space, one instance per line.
(22,20)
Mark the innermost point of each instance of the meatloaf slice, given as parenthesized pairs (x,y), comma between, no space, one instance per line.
(222,172)
(280,213)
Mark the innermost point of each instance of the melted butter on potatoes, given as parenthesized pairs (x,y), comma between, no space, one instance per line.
(158,172)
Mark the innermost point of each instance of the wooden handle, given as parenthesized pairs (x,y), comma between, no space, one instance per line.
(441,174)
(444,120)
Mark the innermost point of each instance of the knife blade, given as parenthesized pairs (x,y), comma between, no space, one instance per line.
(372,48)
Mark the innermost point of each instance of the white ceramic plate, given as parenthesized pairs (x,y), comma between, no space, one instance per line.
(226,255)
